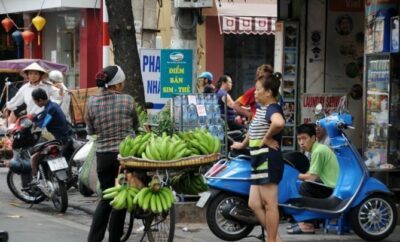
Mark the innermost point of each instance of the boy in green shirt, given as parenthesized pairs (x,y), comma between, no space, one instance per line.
(324,169)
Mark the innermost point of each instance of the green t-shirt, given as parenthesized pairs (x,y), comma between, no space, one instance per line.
(324,164)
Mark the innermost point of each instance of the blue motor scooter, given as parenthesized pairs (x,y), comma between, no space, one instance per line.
(359,201)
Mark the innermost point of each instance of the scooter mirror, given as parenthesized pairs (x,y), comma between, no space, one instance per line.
(318,109)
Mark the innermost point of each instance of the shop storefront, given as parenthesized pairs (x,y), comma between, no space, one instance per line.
(240,36)
(71,35)
(351,48)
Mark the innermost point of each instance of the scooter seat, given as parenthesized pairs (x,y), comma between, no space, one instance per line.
(40,146)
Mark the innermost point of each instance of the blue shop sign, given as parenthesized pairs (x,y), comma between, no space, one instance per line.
(176,72)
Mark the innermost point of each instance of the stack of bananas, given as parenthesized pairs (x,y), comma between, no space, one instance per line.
(134,146)
(122,196)
(201,142)
(166,148)
(189,183)
(154,198)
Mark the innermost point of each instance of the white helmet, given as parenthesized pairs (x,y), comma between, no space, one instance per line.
(56,76)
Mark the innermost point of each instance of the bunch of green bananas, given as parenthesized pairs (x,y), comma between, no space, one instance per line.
(201,142)
(122,196)
(134,146)
(189,183)
(166,148)
(155,201)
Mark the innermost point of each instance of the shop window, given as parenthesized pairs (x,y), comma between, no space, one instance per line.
(242,55)
(62,43)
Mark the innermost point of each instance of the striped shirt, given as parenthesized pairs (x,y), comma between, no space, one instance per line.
(261,124)
(111,116)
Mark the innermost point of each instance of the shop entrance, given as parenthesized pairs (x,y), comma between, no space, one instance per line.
(242,55)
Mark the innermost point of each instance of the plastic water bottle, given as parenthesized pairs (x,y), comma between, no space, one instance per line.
(208,99)
(185,114)
(192,112)
(200,99)
(220,132)
(210,113)
(216,115)
(177,101)
(213,130)
(214,99)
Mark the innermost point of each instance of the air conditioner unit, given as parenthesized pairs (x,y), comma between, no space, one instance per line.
(193,3)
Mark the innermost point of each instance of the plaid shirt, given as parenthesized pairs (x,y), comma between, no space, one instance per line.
(111,116)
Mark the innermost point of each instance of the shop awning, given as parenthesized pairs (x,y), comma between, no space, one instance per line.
(247,17)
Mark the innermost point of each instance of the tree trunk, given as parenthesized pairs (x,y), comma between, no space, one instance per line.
(123,36)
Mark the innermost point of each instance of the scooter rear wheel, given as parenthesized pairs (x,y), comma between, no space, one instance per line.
(375,218)
(223,228)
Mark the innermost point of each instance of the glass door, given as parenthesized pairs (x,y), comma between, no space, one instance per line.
(377,109)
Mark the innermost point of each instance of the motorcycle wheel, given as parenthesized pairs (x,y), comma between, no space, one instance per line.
(59,197)
(375,218)
(17,182)
(223,228)
(157,228)
(84,190)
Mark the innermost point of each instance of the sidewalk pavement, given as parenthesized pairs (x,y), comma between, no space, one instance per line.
(191,225)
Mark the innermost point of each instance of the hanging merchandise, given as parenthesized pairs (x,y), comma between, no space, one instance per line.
(17,37)
(39,22)
(28,36)
(8,24)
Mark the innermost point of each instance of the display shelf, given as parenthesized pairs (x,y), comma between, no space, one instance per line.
(382,91)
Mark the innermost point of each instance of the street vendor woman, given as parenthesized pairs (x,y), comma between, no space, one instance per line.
(111,116)
(35,74)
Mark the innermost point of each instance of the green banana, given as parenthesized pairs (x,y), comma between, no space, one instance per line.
(129,203)
(153,207)
(154,151)
(198,146)
(146,201)
(141,195)
(164,201)
(159,207)
(113,189)
(110,195)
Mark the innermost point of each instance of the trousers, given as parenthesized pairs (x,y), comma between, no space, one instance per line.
(107,171)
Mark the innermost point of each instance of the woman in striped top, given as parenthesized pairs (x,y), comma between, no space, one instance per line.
(264,138)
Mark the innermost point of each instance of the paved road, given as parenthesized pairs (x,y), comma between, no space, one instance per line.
(41,223)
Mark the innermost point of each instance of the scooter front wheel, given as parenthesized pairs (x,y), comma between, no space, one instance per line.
(222,227)
(375,218)
(17,182)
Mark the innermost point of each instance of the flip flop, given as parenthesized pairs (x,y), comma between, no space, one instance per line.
(291,226)
(297,230)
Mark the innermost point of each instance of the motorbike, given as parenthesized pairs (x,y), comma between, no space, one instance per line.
(358,202)
(52,167)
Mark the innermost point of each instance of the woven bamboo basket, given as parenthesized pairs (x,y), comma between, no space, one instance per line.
(198,160)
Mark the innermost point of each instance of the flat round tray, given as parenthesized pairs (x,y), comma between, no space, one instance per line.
(198,160)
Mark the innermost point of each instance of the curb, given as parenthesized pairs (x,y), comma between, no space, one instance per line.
(185,212)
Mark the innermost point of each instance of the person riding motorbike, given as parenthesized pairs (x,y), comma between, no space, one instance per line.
(223,86)
(56,77)
(35,74)
(320,180)
(204,82)
(53,119)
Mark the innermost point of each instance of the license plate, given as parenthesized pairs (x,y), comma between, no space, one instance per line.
(204,196)
(57,164)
